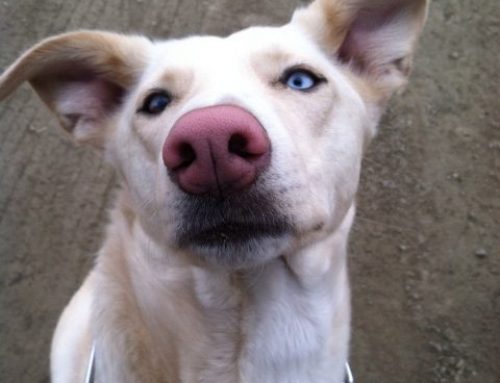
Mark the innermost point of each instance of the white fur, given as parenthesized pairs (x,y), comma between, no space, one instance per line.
(160,313)
(284,323)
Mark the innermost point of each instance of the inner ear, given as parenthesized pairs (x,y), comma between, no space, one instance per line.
(81,103)
(81,98)
(380,34)
(357,43)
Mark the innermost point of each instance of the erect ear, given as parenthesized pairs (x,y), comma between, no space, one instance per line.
(81,76)
(375,37)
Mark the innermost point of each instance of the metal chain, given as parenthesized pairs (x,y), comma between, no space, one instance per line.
(90,374)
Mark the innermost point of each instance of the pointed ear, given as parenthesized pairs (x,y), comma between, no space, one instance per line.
(375,37)
(81,76)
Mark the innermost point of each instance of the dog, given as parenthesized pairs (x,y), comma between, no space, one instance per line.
(239,159)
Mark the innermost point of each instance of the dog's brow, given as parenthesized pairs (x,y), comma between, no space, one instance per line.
(177,76)
(270,63)
(273,56)
(174,80)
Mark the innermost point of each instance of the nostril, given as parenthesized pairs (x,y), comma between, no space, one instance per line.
(187,155)
(238,144)
(216,149)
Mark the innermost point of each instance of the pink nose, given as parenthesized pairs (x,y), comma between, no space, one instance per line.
(216,150)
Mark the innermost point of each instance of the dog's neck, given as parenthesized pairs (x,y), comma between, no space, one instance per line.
(280,322)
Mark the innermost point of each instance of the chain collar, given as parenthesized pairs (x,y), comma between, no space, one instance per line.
(90,374)
(348,374)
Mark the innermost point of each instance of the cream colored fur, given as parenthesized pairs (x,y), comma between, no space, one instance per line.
(160,313)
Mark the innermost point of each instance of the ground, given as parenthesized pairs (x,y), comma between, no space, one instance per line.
(425,262)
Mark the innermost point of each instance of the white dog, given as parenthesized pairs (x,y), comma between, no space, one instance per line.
(239,159)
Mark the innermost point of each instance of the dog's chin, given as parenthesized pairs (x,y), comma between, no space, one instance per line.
(237,251)
(237,231)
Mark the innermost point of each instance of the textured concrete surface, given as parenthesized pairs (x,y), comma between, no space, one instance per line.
(425,260)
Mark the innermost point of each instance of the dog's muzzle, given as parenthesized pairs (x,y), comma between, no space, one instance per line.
(218,156)
(236,230)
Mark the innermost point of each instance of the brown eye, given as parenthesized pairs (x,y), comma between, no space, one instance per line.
(156,103)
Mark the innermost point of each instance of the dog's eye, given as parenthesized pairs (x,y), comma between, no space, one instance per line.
(156,102)
(301,79)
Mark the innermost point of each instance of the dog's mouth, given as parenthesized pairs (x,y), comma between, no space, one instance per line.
(234,223)
(233,233)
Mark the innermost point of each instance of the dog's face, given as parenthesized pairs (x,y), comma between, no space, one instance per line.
(236,149)
(316,132)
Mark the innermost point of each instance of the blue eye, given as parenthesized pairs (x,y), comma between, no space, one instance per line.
(301,79)
(156,102)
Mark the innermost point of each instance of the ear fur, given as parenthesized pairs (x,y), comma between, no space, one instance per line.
(81,76)
(376,38)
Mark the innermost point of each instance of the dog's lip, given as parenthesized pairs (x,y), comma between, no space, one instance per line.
(234,231)
(248,217)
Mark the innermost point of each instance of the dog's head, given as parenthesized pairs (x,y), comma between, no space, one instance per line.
(233,149)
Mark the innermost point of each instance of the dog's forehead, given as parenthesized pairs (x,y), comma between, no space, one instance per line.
(230,54)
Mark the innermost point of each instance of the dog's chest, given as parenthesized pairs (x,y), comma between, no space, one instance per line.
(274,332)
